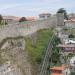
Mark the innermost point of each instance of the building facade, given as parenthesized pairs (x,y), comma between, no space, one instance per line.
(72,65)
(70,24)
(60,70)
(67,47)
(44,16)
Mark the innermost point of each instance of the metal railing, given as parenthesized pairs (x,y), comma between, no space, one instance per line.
(45,63)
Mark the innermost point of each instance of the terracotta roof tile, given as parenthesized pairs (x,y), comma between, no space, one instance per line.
(58,68)
(56,74)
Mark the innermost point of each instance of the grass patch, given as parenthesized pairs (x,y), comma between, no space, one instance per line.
(36,53)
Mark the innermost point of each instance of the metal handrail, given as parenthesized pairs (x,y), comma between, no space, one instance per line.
(46,57)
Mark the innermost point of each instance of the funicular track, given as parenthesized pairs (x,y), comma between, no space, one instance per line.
(47,56)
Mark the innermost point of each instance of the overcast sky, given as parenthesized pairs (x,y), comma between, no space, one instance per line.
(34,7)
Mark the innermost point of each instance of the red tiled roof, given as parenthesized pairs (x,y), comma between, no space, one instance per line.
(69,21)
(11,17)
(59,67)
(31,18)
(56,74)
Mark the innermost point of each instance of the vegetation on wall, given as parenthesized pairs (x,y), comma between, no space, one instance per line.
(71,36)
(36,52)
(22,19)
(1,18)
(55,57)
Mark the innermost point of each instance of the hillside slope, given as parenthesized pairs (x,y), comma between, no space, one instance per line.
(36,45)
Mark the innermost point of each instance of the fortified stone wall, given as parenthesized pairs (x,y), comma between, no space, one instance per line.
(21,30)
(26,28)
(14,50)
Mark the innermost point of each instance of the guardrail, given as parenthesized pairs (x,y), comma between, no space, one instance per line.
(45,63)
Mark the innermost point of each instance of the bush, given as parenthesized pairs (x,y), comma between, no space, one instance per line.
(71,36)
(36,53)
(22,19)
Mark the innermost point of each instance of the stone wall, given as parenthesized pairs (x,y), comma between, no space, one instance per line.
(26,28)
(14,50)
(23,29)
(60,19)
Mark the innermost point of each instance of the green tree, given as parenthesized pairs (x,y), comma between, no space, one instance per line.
(62,10)
(1,18)
(71,36)
(6,23)
(70,55)
(55,53)
(22,19)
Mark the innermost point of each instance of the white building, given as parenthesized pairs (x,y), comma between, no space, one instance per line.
(72,64)
(72,16)
(69,41)
(70,24)
(44,16)
(10,19)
